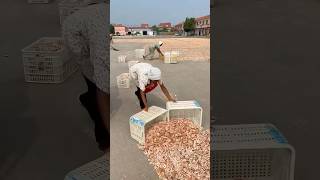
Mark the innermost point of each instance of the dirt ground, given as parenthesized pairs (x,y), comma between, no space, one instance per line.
(190,49)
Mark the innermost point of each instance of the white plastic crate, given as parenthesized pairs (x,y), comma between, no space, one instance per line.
(67,7)
(123,80)
(171,57)
(251,152)
(47,61)
(140,122)
(185,109)
(139,53)
(122,59)
(66,70)
(39,1)
(94,170)
(131,63)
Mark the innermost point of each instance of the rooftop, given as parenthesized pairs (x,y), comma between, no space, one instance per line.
(202,17)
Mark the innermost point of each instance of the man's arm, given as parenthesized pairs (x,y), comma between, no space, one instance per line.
(166,92)
(104,109)
(99,58)
(143,97)
(159,51)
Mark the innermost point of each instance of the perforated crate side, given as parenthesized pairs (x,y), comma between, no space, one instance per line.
(186,110)
(251,151)
(195,115)
(47,65)
(94,170)
(123,83)
(43,42)
(142,121)
(49,58)
(252,164)
(251,134)
(123,80)
(137,129)
(171,57)
(68,69)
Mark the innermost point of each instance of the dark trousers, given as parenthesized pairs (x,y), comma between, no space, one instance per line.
(138,94)
(89,101)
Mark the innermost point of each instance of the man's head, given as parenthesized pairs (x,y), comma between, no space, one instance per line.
(154,74)
(160,43)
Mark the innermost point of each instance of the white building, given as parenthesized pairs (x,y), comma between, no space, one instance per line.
(140,31)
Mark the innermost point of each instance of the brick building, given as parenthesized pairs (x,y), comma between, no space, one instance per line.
(165,26)
(202,26)
(120,30)
(178,28)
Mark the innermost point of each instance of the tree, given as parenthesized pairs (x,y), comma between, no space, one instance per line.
(155,29)
(189,25)
(137,33)
(111,29)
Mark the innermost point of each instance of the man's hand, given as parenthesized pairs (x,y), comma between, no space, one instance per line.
(173,100)
(146,109)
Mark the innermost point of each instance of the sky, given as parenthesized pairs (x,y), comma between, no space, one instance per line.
(136,12)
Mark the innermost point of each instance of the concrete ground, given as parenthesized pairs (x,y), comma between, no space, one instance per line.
(266,70)
(44,131)
(188,80)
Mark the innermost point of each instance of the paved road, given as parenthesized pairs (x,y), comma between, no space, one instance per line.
(266,69)
(189,80)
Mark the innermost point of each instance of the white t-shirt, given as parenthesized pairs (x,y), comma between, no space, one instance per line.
(85,33)
(139,73)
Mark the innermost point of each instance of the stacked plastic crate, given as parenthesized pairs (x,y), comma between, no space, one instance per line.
(47,61)
(123,80)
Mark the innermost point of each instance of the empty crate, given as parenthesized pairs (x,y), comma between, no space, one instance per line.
(95,170)
(140,122)
(139,53)
(171,57)
(122,58)
(67,7)
(251,152)
(47,61)
(185,109)
(123,80)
